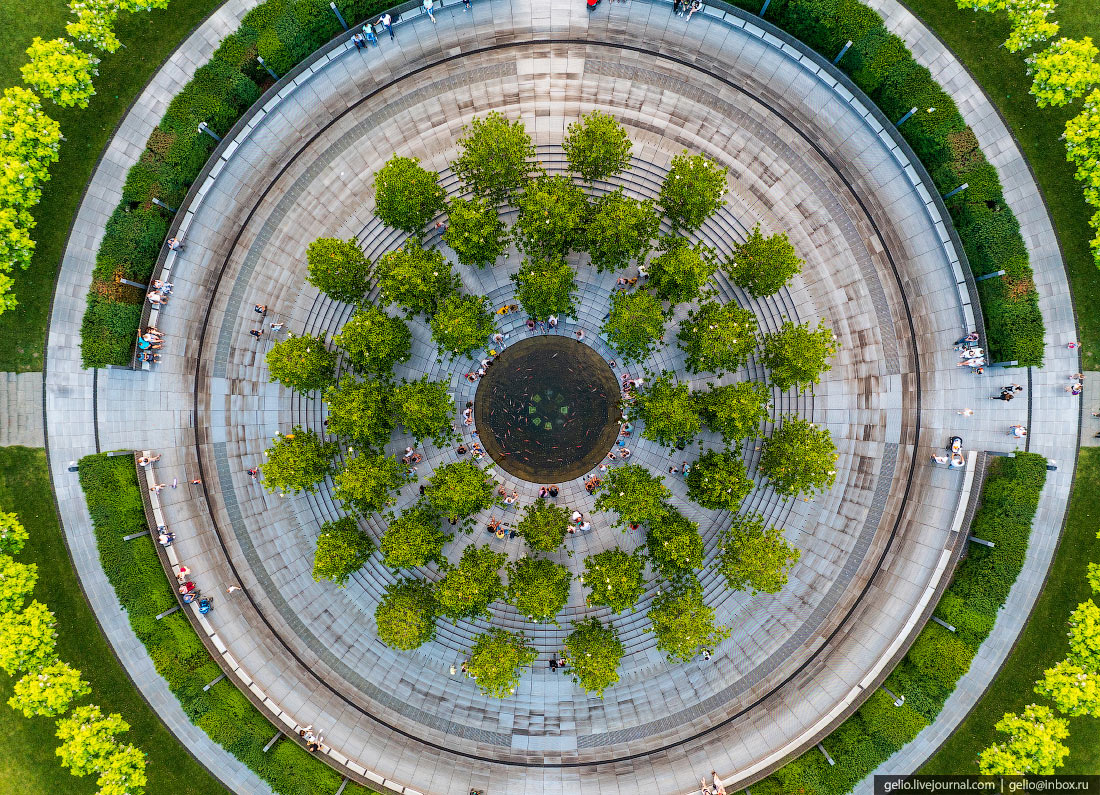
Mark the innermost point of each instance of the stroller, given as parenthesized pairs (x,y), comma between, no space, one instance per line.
(206,604)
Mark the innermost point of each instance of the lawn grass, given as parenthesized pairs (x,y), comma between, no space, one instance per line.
(149,38)
(28,765)
(976,39)
(1042,643)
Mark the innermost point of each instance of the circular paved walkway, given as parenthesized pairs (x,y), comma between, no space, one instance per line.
(862,401)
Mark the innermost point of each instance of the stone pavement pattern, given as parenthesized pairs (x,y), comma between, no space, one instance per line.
(666,106)
(21,410)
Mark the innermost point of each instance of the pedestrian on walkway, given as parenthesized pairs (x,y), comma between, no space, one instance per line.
(386,21)
(465,3)
(277,327)
(256,332)
(1003,396)
(368,31)
(1074,388)
(260,309)
(253,472)
(175,244)
(967,412)
(695,6)
(1074,346)
(358,41)
(1017,431)
(676,7)
(718,788)
(427,6)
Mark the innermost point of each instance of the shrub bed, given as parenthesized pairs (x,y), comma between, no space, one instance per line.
(882,66)
(142,588)
(928,672)
(282,32)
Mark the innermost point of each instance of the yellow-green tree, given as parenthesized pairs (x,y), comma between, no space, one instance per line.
(61,72)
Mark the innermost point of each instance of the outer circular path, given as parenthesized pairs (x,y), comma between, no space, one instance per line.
(803,156)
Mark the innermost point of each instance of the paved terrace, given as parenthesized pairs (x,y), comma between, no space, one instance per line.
(801,157)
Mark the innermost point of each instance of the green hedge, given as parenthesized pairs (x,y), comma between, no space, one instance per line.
(928,673)
(283,32)
(882,66)
(142,588)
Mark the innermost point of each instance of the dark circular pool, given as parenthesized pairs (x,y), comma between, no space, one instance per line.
(547,409)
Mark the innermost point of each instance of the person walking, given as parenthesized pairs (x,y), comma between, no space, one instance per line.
(967,412)
(1017,431)
(386,21)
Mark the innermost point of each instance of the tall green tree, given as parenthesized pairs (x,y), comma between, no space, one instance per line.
(764,265)
(495,157)
(594,653)
(754,556)
(538,588)
(635,494)
(361,410)
(49,691)
(368,482)
(620,230)
(717,337)
(683,624)
(460,489)
(374,342)
(338,268)
(597,146)
(462,324)
(342,549)
(467,589)
(415,278)
(543,525)
(797,355)
(718,481)
(425,409)
(475,233)
(302,363)
(799,458)
(546,287)
(16,583)
(496,660)
(680,272)
(60,71)
(405,615)
(735,410)
(669,411)
(28,639)
(297,461)
(414,538)
(552,212)
(406,195)
(635,325)
(1034,746)
(1063,72)
(692,191)
(614,579)
(675,547)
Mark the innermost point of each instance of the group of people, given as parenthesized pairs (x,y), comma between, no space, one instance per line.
(312,738)
(578,524)
(970,355)
(591,483)
(1076,384)
(682,7)
(548,491)
(1008,392)
(542,325)
(714,787)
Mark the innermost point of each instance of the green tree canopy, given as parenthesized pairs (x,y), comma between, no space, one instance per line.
(634,494)
(620,230)
(460,489)
(692,191)
(763,265)
(1093,575)
(679,273)
(597,146)
(594,652)
(407,196)
(94,23)
(1034,746)
(546,287)
(302,363)
(425,409)
(414,538)
(683,624)
(12,534)
(675,547)
(669,412)
(297,461)
(368,482)
(552,212)
(123,772)
(735,410)
(60,71)
(496,660)
(717,337)
(1084,635)
(495,157)
(338,268)
(635,324)
(88,739)
(754,556)
(361,410)
(718,481)
(1074,690)
(798,355)
(373,341)
(475,233)
(799,458)
(543,525)
(1063,72)
(342,549)
(406,614)
(416,278)
(462,324)
(467,589)
(16,583)
(538,588)
(48,691)
(614,579)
